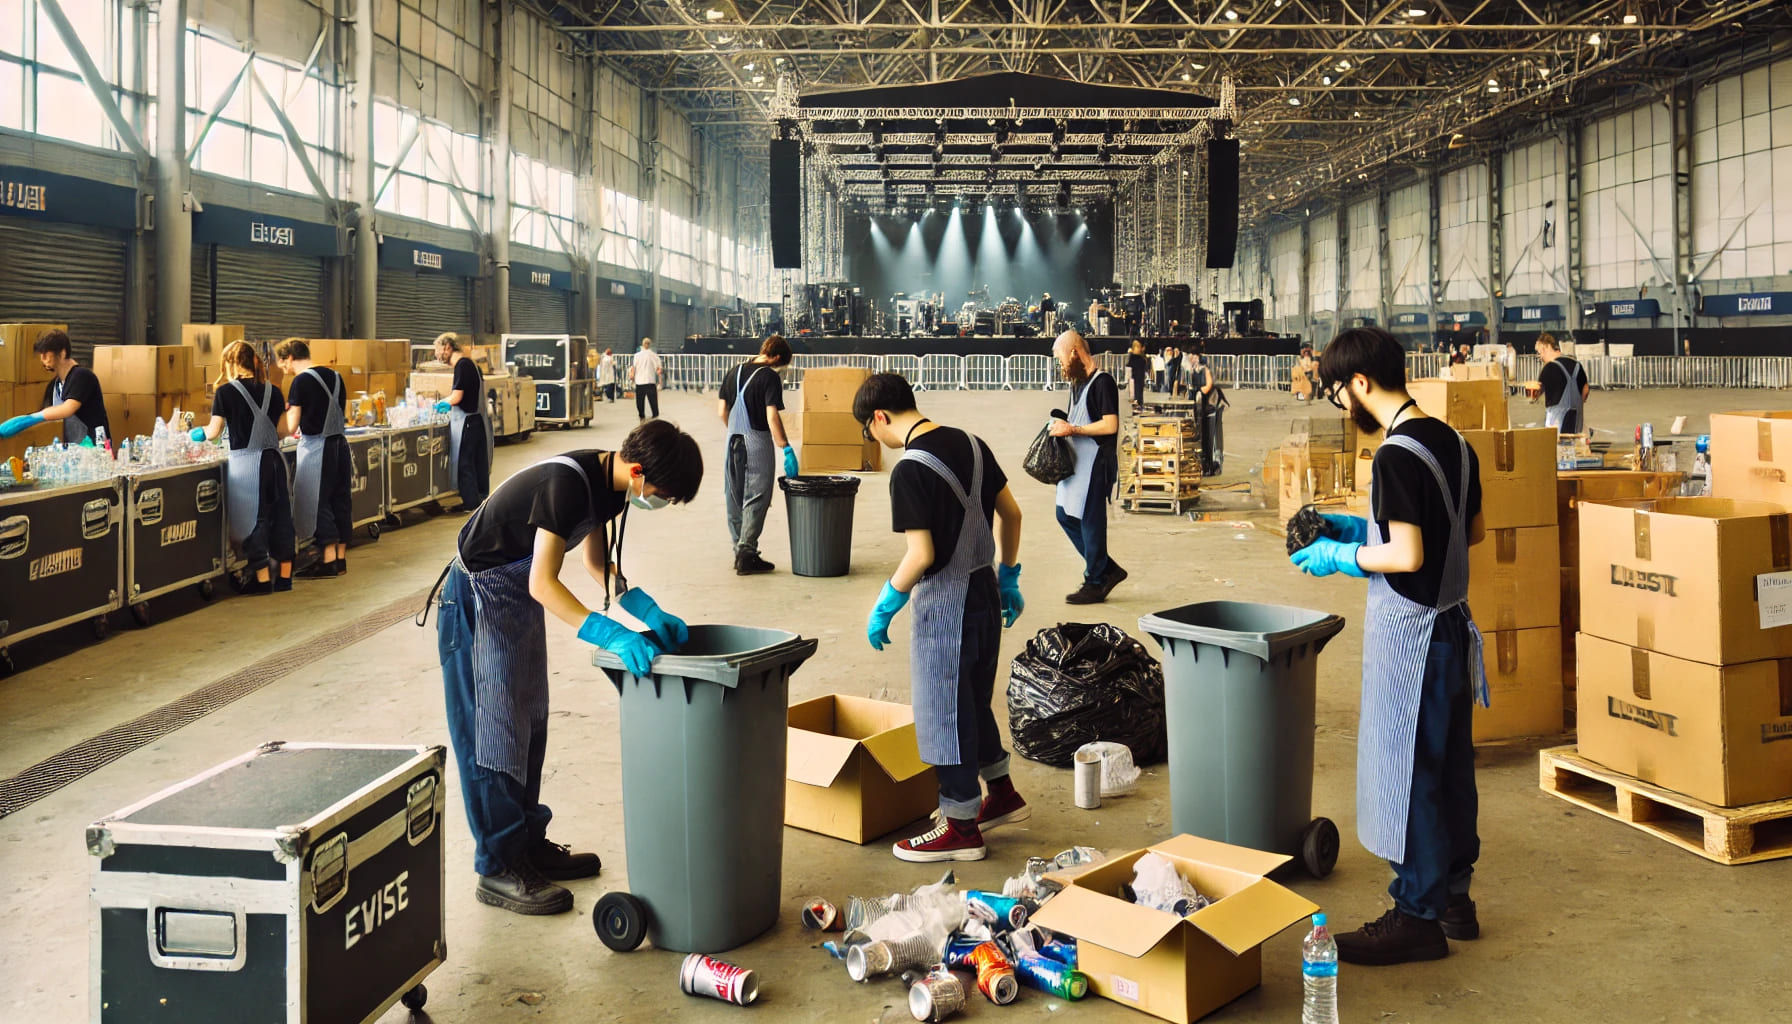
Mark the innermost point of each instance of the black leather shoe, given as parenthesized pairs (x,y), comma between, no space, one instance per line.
(1088,593)
(317,571)
(1459,921)
(1393,938)
(1111,579)
(561,864)
(523,890)
(747,563)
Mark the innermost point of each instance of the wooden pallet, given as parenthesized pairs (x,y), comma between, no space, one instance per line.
(1727,835)
(1158,506)
(1145,487)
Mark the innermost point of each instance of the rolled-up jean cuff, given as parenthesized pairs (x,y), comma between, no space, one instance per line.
(994,770)
(961,809)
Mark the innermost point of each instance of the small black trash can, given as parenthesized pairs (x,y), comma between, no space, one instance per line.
(820,512)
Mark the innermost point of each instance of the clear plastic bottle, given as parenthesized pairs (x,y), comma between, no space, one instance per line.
(1319,975)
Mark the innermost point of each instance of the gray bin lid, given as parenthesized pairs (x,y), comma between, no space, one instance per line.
(1265,631)
(722,654)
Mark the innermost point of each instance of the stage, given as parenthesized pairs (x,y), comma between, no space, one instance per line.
(983,345)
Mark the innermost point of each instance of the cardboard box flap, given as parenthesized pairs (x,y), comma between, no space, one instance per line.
(897,752)
(1250,917)
(1110,922)
(1225,855)
(818,759)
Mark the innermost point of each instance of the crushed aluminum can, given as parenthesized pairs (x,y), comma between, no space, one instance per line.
(937,996)
(718,979)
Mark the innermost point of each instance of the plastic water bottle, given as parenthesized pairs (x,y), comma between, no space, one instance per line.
(1319,975)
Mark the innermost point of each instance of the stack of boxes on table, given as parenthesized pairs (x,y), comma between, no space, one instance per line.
(1160,463)
(1317,464)
(828,439)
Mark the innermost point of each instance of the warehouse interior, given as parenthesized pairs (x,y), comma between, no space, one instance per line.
(902,188)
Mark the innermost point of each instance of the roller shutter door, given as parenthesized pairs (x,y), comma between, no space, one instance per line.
(64,274)
(539,311)
(674,327)
(421,306)
(272,294)
(616,325)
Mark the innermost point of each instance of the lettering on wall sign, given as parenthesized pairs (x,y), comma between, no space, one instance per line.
(19,196)
(1660,721)
(1623,309)
(387,902)
(268,234)
(180,532)
(1652,582)
(56,563)
(1763,304)
(432,260)
(541,278)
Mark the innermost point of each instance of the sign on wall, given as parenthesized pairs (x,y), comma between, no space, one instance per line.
(41,195)
(529,275)
(1625,309)
(1746,304)
(246,229)
(398,254)
(1530,314)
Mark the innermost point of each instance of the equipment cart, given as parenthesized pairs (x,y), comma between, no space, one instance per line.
(176,533)
(61,559)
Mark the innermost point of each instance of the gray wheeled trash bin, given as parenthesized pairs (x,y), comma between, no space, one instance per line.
(703,744)
(1239,697)
(819,509)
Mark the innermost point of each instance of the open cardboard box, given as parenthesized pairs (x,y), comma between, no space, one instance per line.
(854,769)
(1177,968)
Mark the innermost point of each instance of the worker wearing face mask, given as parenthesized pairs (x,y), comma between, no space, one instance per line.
(750,403)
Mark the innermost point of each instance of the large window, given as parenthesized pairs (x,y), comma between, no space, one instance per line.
(1742,175)
(543,205)
(621,221)
(247,140)
(41,90)
(438,168)
(1627,180)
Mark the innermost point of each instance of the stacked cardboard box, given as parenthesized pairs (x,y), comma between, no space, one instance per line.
(1316,464)
(208,342)
(143,382)
(1685,677)
(1463,404)
(832,441)
(1514,581)
(1751,453)
(22,382)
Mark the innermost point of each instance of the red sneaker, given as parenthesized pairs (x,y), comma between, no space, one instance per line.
(1002,809)
(950,839)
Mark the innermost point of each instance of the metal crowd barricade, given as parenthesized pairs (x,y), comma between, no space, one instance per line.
(908,367)
(1282,372)
(1116,366)
(1254,372)
(1031,373)
(941,373)
(685,371)
(1425,365)
(986,373)
(1225,370)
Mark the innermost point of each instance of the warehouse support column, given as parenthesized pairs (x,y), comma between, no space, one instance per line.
(362,179)
(1435,257)
(1385,283)
(174,211)
(1496,252)
(656,250)
(1568,232)
(501,163)
(136,297)
(1680,127)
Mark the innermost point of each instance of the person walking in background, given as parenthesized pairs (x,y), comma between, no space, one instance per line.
(1157,371)
(1137,369)
(648,371)
(606,375)
(1082,500)
(752,397)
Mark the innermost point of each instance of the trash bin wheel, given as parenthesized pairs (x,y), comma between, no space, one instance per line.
(140,612)
(620,920)
(1319,847)
(415,998)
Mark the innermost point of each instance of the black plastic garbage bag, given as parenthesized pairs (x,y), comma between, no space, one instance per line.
(1080,682)
(1049,459)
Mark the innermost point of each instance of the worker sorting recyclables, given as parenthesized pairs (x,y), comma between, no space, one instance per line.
(492,639)
(1422,667)
(751,401)
(951,502)
(315,405)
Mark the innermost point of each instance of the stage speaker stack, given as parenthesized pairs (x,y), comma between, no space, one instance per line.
(1222,202)
(1175,304)
(787,204)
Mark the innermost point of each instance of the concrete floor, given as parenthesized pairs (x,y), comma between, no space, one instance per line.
(1583,919)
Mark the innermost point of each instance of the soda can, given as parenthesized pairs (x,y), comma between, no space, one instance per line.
(1061,950)
(995,976)
(936,997)
(1052,977)
(1002,911)
(821,915)
(718,979)
(959,949)
(868,960)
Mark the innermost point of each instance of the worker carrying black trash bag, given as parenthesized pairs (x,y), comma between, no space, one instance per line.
(492,638)
(1422,669)
(951,502)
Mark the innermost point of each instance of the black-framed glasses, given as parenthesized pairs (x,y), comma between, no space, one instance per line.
(865,430)
(1334,394)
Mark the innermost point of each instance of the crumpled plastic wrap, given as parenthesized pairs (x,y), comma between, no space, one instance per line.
(1079,683)
(1157,884)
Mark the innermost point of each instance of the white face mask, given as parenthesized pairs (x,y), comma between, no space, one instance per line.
(644,501)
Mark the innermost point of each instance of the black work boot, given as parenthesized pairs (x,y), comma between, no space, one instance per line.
(560,863)
(1088,593)
(522,889)
(1111,579)
(1458,920)
(1393,938)
(748,563)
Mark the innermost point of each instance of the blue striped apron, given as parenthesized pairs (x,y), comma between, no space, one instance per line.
(755,485)
(457,428)
(308,480)
(242,474)
(1073,491)
(1396,638)
(938,627)
(510,658)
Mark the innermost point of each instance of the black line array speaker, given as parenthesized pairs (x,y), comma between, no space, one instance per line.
(1222,201)
(786,211)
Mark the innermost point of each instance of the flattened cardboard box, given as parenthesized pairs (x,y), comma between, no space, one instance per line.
(1518,476)
(1751,456)
(1463,404)
(1177,968)
(1677,575)
(854,769)
(1514,579)
(1720,734)
(1524,684)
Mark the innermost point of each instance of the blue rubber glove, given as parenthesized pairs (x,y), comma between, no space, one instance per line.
(790,461)
(636,651)
(669,630)
(877,628)
(20,424)
(1347,529)
(1008,580)
(442,408)
(1326,556)
(197,435)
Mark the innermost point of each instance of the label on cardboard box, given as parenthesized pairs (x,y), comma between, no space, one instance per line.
(1774,591)
(1124,988)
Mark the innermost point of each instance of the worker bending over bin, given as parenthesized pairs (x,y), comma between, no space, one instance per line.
(492,639)
(323,482)
(947,495)
(1422,670)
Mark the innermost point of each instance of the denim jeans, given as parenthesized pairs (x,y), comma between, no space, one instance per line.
(980,750)
(1442,843)
(1089,533)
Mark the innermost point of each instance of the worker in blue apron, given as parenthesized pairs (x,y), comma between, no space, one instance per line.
(1422,668)
(1092,427)
(492,640)
(752,395)
(951,502)
(258,496)
(72,397)
(470,440)
(323,479)
(1565,387)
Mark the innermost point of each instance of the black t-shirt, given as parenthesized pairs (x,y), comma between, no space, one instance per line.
(313,398)
(471,385)
(920,500)
(1138,366)
(546,496)
(1104,400)
(1555,377)
(1405,491)
(83,386)
(763,389)
(239,415)
(1048,305)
